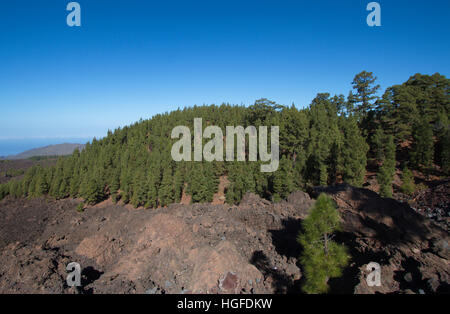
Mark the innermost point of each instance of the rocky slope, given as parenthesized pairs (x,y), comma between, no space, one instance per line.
(412,250)
(206,248)
(434,203)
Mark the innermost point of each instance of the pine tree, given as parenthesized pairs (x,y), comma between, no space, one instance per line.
(422,150)
(140,192)
(16,189)
(63,190)
(91,190)
(298,172)
(398,111)
(377,145)
(323,174)
(4,191)
(322,258)
(408,186)
(74,184)
(283,182)
(364,84)
(125,185)
(28,183)
(335,161)
(384,178)
(166,191)
(387,170)
(350,104)
(442,150)
(294,128)
(262,112)
(238,183)
(41,183)
(444,155)
(178,183)
(57,181)
(152,188)
(323,133)
(353,153)
(197,183)
(261,180)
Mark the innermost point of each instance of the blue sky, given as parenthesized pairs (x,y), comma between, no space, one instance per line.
(133,59)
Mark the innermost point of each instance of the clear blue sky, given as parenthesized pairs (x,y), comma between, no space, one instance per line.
(133,59)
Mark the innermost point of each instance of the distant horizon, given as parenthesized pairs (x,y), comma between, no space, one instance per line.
(9,147)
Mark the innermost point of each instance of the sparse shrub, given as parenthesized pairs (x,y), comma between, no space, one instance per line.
(421,186)
(80,207)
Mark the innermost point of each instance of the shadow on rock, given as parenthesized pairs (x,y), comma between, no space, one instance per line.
(88,276)
(281,282)
(347,283)
(366,213)
(410,277)
(285,239)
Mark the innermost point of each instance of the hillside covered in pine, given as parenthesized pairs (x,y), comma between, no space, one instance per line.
(335,139)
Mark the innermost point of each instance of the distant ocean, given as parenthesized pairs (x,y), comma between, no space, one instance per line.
(16,146)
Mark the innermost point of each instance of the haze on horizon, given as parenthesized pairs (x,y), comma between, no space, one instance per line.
(133,59)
